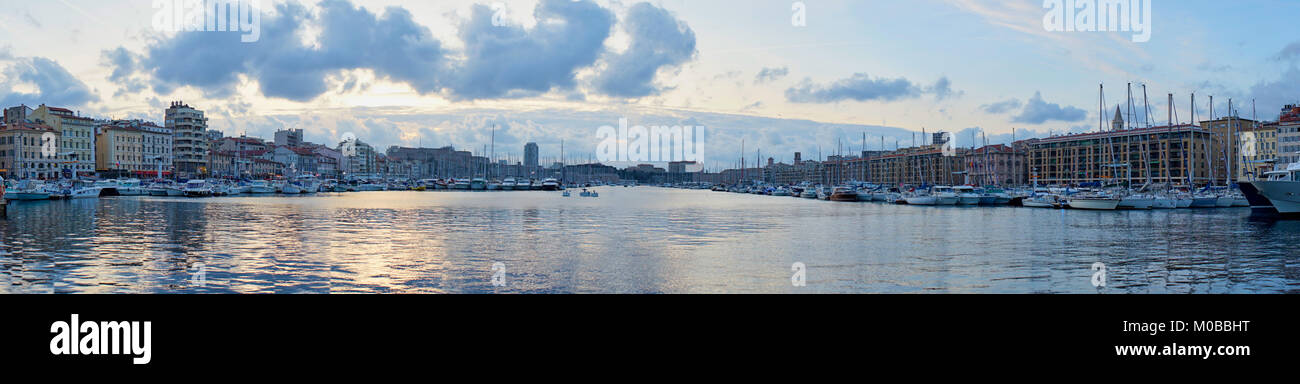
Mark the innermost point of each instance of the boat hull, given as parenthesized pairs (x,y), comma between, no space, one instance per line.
(922,200)
(1283,195)
(1257,201)
(1095,204)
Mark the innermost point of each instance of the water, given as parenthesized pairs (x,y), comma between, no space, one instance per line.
(629,240)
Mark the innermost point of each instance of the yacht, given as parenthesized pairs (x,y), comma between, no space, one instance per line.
(1259,203)
(371,187)
(550,185)
(307,184)
(843,194)
(159,188)
(478,184)
(460,185)
(1136,201)
(28,190)
(922,198)
(261,187)
(291,189)
(781,192)
(1044,201)
(809,193)
(1282,189)
(945,196)
(1164,202)
(508,185)
(197,188)
(966,195)
(1093,202)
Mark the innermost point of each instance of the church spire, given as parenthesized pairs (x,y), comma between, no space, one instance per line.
(1117,124)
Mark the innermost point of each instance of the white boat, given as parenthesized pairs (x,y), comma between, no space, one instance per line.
(1282,189)
(1164,202)
(28,190)
(478,184)
(1136,202)
(550,185)
(1043,201)
(1224,201)
(1095,203)
(810,193)
(291,189)
(371,187)
(508,185)
(261,187)
(944,196)
(966,195)
(197,188)
(565,194)
(493,186)
(160,188)
(130,187)
(781,192)
(921,198)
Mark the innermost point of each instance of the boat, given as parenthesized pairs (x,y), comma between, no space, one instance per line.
(508,184)
(261,187)
(944,196)
(922,198)
(291,189)
(843,194)
(565,194)
(781,192)
(159,188)
(1204,201)
(810,193)
(1136,201)
(1224,201)
(80,190)
(1043,201)
(371,187)
(1164,202)
(550,185)
(307,184)
(1258,203)
(478,184)
(130,187)
(28,190)
(966,195)
(1094,203)
(1282,189)
(197,188)
(492,186)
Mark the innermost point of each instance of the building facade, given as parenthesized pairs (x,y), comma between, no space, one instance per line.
(1175,155)
(24,151)
(76,137)
(1225,155)
(189,139)
(1259,150)
(1288,135)
(121,151)
(531,155)
(996,165)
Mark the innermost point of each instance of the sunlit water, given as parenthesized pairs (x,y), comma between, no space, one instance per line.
(629,240)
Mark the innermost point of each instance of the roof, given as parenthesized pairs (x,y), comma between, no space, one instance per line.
(1121,133)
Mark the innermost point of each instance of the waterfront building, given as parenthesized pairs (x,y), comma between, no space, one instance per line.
(121,151)
(329,161)
(1225,155)
(21,154)
(530,155)
(241,143)
(360,158)
(155,146)
(76,137)
(1156,154)
(189,139)
(922,165)
(1288,135)
(1261,140)
(997,164)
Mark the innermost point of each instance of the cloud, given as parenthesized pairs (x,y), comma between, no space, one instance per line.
(767,75)
(503,60)
(1038,111)
(1001,107)
(1270,96)
(54,84)
(659,41)
(859,87)
(1290,52)
(942,89)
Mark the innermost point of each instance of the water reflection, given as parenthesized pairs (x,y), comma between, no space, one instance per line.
(637,240)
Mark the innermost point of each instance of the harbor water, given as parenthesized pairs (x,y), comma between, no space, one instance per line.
(628,240)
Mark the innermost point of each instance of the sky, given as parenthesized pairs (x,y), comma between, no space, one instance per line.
(775,77)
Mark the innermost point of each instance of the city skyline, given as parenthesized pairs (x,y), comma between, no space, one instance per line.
(746,73)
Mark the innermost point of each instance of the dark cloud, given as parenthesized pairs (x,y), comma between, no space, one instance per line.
(1270,96)
(54,84)
(942,89)
(507,60)
(1038,111)
(771,74)
(659,41)
(1000,107)
(498,60)
(859,87)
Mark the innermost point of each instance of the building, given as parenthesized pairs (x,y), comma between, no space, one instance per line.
(1226,153)
(1157,154)
(289,137)
(189,139)
(24,152)
(330,162)
(121,151)
(1259,150)
(77,137)
(923,165)
(996,165)
(1288,135)
(530,155)
(241,143)
(155,147)
(360,158)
